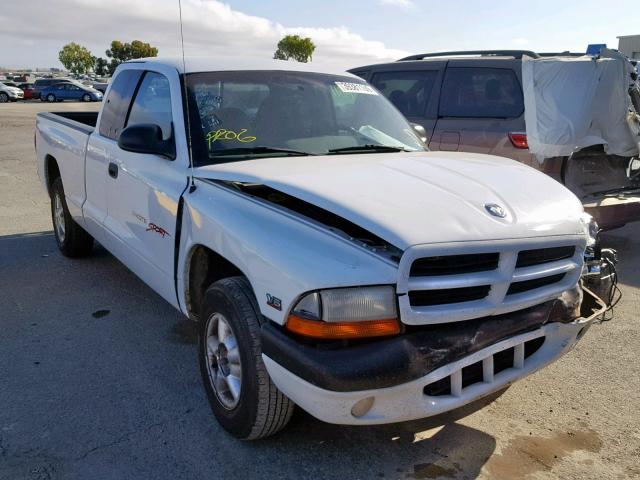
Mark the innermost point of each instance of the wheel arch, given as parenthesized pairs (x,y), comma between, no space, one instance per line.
(52,171)
(204,266)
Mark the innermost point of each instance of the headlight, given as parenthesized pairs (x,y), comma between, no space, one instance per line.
(591,229)
(346,313)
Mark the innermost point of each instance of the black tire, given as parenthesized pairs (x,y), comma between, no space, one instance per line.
(4,98)
(86,97)
(261,409)
(51,98)
(73,241)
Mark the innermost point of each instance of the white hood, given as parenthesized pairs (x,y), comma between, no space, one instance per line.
(422,197)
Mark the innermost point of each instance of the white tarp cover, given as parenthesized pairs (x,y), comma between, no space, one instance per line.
(574,102)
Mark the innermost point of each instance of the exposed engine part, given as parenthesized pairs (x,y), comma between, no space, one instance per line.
(602,279)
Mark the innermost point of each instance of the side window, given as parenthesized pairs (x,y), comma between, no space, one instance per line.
(153,103)
(481,92)
(114,109)
(408,91)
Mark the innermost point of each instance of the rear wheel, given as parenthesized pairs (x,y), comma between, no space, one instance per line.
(73,241)
(51,97)
(4,98)
(242,396)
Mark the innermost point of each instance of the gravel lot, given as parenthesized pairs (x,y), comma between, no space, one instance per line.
(99,379)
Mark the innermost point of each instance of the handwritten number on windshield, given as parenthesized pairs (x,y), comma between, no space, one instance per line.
(227,135)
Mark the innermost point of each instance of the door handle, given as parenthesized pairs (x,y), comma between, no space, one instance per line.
(113,170)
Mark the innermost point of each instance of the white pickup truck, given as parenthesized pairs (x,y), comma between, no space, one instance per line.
(331,261)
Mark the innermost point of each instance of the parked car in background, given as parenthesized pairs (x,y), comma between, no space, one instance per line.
(10,93)
(473,101)
(42,83)
(70,91)
(101,86)
(28,90)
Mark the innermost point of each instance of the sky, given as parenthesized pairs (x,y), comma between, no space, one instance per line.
(346,33)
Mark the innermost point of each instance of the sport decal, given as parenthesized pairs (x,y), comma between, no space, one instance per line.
(159,230)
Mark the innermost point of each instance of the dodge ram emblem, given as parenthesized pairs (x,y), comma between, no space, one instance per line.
(495,210)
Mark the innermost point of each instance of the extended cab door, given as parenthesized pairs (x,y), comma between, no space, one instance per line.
(101,148)
(413,88)
(143,190)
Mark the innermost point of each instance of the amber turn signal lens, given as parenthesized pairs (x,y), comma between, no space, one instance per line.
(342,330)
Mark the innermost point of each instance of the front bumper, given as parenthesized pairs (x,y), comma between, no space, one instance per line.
(402,380)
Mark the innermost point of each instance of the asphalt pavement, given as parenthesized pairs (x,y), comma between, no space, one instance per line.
(99,379)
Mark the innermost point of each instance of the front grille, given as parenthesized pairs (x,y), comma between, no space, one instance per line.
(529,258)
(521,287)
(446,283)
(454,264)
(423,298)
(485,369)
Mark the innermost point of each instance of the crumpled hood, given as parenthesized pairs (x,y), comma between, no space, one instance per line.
(421,197)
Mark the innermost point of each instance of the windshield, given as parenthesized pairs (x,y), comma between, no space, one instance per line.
(253,114)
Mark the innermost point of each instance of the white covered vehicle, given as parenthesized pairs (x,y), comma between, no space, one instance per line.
(330,260)
(584,112)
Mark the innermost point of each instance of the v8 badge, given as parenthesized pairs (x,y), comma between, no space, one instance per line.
(274,302)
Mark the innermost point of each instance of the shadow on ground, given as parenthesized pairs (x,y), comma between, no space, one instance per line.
(101,381)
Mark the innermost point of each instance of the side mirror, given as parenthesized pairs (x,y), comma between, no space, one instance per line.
(147,138)
(421,131)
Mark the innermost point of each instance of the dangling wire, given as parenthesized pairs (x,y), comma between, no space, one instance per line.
(192,186)
(615,294)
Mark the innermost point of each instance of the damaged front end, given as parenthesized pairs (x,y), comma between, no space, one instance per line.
(453,356)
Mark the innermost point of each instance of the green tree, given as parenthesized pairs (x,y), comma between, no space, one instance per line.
(101,67)
(296,48)
(76,58)
(121,52)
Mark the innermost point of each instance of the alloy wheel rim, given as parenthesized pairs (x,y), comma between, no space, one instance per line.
(58,217)
(223,361)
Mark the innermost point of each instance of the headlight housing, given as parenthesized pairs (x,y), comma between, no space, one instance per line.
(346,313)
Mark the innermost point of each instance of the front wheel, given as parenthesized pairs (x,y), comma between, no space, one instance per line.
(86,97)
(73,241)
(4,98)
(242,396)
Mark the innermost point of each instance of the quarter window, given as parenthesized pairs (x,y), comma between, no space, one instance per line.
(408,91)
(153,103)
(481,92)
(117,103)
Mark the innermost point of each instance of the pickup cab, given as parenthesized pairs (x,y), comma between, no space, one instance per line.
(330,260)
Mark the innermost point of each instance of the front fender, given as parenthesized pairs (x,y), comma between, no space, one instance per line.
(281,253)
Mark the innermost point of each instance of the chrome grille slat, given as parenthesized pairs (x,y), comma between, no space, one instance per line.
(499,299)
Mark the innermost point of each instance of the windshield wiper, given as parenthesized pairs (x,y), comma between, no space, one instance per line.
(257,151)
(368,148)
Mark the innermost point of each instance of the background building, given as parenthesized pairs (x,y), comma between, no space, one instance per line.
(630,45)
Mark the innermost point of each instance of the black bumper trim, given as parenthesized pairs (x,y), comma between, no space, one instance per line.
(393,361)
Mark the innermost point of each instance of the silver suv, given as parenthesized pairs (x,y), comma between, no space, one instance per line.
(472,101)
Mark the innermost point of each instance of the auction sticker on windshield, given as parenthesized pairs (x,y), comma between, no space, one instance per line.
(347,87)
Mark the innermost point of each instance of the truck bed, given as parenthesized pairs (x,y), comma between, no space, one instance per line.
(83,121)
